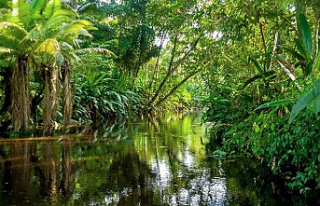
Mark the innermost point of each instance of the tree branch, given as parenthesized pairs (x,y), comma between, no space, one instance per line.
(158,60)
(169,70)
(172,67)
(264,46)
(177,86)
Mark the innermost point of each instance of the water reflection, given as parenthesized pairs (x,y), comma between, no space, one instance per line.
(159,162)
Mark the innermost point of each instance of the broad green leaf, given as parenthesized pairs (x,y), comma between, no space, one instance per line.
(308,68)
(7,17)
(20,10)
(55,22)
(52,7)
(307,98)
(302,49)
(254,78)
(314,105)
(257,65)
(294,53)
(279,103)
(37,7)
(305,32)
(269,73)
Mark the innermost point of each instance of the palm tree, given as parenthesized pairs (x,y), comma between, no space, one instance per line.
(47,38)
(18,38)
(65,48)
(30,32)
(16,42)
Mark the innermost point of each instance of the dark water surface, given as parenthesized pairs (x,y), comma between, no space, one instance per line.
(164,162)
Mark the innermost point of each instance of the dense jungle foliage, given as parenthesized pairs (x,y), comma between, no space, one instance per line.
(253,64)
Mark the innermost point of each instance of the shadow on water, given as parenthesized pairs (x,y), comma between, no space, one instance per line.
(162,161)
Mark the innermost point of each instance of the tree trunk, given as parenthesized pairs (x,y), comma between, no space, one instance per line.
(66,168)
(163,35)
(173,66)
(169,72)
(51,96)
(67,95)
(36,101)
(176,87)
(20,94)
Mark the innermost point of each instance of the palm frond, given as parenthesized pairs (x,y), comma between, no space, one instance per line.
(56,22)
(99,26)
(5,53)
(8,18)
(35,32)
(36,7)
(5,50)
(95,51)
(68,51)
(11,35)
(51,7)
(20,10)
(72,30)
(87,7)
(66,12)
(49,46)
(13,30)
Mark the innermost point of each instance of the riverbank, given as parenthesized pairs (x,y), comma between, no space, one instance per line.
(140,162)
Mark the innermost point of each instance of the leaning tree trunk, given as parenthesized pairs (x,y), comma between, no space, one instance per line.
(20,94)
(67,95)
(51,96)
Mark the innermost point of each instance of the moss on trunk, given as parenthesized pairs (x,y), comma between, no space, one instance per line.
(20,94)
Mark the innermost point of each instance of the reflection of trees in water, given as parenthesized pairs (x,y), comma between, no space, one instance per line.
(16,172)
(148,163)
(66,168)
(134,182)
(167,179)
(32,168)
(49,183)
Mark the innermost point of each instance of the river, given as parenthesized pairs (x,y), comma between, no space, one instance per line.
(165,161)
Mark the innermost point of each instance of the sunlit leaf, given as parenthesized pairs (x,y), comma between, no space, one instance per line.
(305,31)
(278,103)
(309,97)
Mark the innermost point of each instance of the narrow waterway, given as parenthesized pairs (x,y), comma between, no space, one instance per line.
(166,161)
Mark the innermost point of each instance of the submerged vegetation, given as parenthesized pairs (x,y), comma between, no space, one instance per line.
(253,65)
